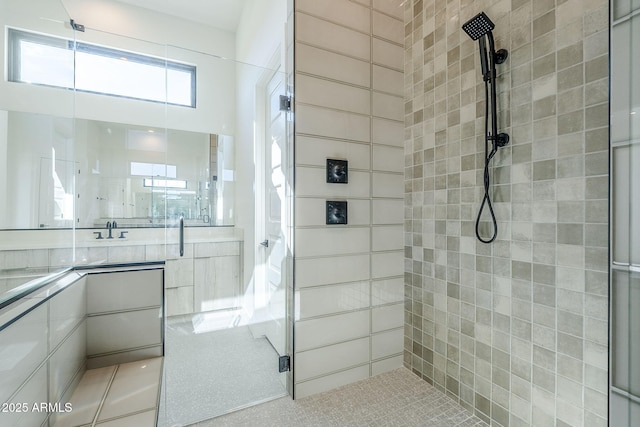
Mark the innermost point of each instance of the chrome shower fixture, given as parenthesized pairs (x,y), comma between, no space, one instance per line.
(480,28)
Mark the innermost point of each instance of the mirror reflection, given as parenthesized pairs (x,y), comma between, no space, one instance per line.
(139,176)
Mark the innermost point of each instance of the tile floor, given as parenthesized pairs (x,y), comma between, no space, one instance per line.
(397,398)
(123,395)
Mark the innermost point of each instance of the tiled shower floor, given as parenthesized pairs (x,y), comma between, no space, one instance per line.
(397,398)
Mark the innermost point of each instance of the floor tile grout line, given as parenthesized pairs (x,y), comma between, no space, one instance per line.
(104,397)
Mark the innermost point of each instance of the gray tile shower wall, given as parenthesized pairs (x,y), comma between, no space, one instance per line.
(516,330)
(348,106)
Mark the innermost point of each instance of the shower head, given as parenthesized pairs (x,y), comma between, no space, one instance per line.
(478,26)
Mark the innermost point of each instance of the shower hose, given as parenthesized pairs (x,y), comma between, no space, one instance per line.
(489,136)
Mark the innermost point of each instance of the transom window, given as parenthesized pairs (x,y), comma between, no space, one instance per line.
(46,60)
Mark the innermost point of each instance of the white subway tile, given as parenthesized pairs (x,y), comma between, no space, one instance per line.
(122,291)
(65,311)
(387,291)
(316,151)
(66,362)
(331,382)
(388,28)
(388,159)
(323,271)
(325,360)
(387,343)
(34,392)
(312,182)
(328,94)
(386,365)
(312,212)
(321,301)
(331,241)
(388,185)
(388,211)
(24,347)
(386,80)
(388,54)
(387,317)
(320,62)
(394,8)
(333,37)
(113,332)
(388,238)
(342,12)
(317,121)
(329,330)
(388,106)
(388,132)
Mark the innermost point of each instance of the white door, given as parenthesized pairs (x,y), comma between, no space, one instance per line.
(274,198)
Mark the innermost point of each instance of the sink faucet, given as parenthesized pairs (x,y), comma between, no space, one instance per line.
(109,227)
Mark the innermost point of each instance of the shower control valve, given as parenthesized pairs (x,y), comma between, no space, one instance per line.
(502,139)
(500,56)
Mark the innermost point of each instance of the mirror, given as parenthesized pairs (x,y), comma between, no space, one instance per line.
(138,176)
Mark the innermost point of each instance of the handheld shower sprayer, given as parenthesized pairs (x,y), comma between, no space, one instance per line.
(479,28)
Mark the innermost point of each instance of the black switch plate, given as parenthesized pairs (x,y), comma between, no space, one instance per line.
(337,171)
(336,212)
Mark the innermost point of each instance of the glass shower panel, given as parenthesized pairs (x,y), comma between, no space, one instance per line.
(225,297)
(121,151)
(625,225)
(37,166)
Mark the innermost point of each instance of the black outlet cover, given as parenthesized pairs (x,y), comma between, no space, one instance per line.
(336,212)
(337,171)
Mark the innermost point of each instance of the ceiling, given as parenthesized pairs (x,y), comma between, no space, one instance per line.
(224,14)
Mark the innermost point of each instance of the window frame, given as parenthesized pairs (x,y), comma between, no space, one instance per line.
(14,62)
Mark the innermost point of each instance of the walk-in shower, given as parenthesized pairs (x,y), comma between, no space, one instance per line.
(479,28)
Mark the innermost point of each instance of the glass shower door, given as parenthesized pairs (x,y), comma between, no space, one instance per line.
(225,322)
(625,221)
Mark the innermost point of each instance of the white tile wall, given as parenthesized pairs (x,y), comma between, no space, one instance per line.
(325,300)
(66,312)
(311,212)
(24,347)
(331,329)
(34,391)
(319,121)
(315,151)
(331,241)
(325,360)
(108,292)
(328,382)
(105,333)
(67,362)
(325,271)
(332,37)
(325,93)
(333,66)
(348,107)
